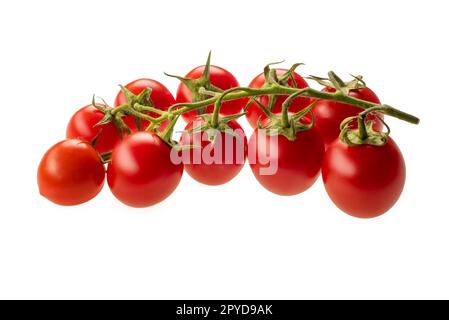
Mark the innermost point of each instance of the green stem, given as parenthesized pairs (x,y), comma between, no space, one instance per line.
(282,90)
(228,95)
(221,97)
(273,89)
(386,109)
(284,120)
(216,114)
(144,116)
(260,105)
(372,109)
(166,135)
(362,128)
(123,107)
(142,108)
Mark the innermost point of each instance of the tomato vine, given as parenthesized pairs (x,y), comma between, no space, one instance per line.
(295,138)
(272,88)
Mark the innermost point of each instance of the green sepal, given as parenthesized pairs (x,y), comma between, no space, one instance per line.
(108,117)
(121,125)
(337,83)
(334,81)
(266,111)
(128,94)
(201,88)
(223,126)
(95,139)
(271,78)
(283,80)
(352,137)
(143,98)
(295,125)
(116,120)
(270,74)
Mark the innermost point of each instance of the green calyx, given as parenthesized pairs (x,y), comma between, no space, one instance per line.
(364,134)
(201,88)
(133,103)
(272,79)
(334,81)
(271,76)
(136,106)
(289,125)
(111,115)
(204,94)
(208,125)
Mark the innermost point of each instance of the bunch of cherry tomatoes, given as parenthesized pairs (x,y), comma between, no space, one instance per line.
(338,132)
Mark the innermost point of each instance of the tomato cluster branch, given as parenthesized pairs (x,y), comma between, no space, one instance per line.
(272,88)
(243,92)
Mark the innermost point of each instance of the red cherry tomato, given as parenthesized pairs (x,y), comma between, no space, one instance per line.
(286,167)
(216,162)
(141,172)
(160,95)
(329,114)
(220,78)
(82,125)
(255,114)
(70,173)
(364,181)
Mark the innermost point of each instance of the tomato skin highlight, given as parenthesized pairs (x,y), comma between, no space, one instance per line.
(220,78)
(299,161)
(364,181)
(255,114)
(214,174)
(83,125)
(160,95)
(330,114)
(141,173)
(70,173)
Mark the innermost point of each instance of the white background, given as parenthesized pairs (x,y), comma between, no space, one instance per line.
(238,240)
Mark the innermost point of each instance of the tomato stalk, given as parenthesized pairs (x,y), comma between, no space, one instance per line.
(219,101)
(200,88)
(267,112)
(283,90)
(141,108)
(243,92)
(275,86)
(364,133)
(285,121)
(335,82)
(362,128)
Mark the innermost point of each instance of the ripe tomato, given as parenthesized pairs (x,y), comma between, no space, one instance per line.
(286,167)
(82,125)
(255,114)
(364,181)
(220,78)
(141,173)
(160,95)
(214,162)
(70,173)
(329,114)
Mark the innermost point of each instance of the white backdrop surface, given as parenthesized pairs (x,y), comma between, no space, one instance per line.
(238,240)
